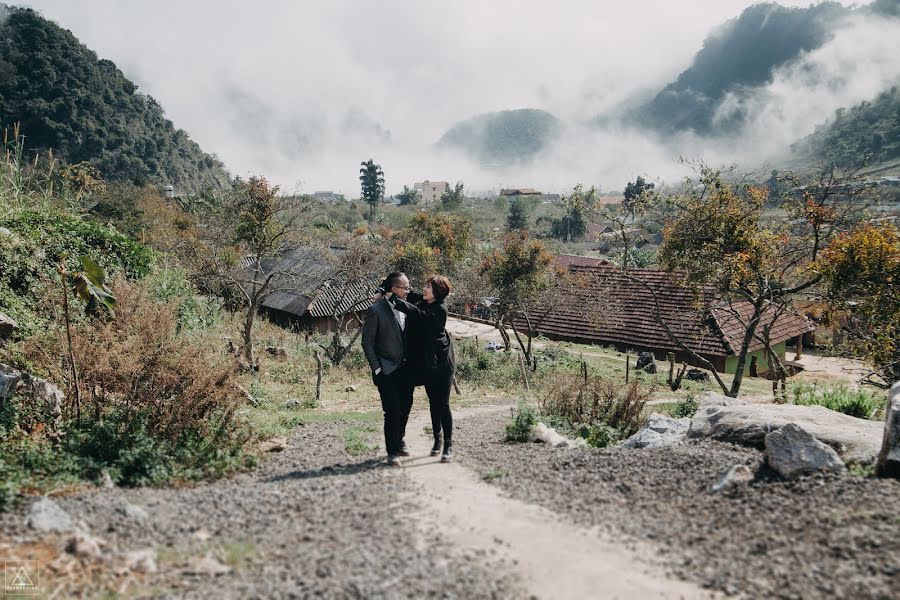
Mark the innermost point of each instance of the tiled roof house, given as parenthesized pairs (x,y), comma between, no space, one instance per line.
(601,306)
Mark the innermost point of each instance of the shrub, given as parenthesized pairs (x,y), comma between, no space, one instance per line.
(686,407)
(856,403)
(596,401)
(524,417)
(475,364)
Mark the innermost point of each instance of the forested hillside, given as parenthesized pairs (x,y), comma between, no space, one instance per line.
(85,109)
(870,130)
(505,137)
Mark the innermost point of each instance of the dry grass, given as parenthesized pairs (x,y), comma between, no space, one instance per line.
(594,400)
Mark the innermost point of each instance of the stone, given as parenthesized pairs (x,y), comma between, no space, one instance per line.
(855,440)
(7,326)
(351,388)
(646,362)
(84,545)
(714,399)
(46,515)
(207,565)
(246,394)
(697,375)
(142,561)
(291,403)
(48,394)
(736,476)
(134,512)
(547,435)
(792,451)
(9,379)
(5,232)
(276,444)
(106,481)
(276,352)
(659,431)
(889,458)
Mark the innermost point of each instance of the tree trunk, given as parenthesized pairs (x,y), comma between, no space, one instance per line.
(247,336)
(318,376)
(745,345)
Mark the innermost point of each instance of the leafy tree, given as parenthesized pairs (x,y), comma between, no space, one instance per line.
(518,215)
(520,272)
(573,224)
(861,270)
(409,197)
(432,243)
(371,179)
(637,201)
(241,247)
(636,191)
(452,198)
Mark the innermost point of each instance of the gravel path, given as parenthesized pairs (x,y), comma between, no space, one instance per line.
(312,522)
(816,537)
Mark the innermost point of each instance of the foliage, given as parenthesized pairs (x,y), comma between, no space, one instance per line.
(861,269)
(371,179)
(409,197)
(573,224)
(59,91)
(477,365)
(524,417)
(637,190)
(868,132)
(595,401)
(432,243)
(686,407)
(518,215)
(452,198)
(170,284)
(856,403)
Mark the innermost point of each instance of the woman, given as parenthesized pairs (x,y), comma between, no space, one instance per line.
(431,355)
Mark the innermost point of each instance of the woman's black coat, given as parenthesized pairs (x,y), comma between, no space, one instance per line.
(429,350)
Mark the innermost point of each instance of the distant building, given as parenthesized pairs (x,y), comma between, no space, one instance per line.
(328,196)
(430,191)
(519,192)
(169,191)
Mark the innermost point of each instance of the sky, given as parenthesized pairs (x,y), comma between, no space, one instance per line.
(301,92)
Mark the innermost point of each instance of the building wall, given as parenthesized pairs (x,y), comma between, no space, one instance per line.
(763,362)
(431,191)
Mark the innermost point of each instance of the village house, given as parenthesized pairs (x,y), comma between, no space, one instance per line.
(599,305)
(430,192)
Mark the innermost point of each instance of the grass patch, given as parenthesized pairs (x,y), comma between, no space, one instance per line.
(524,417)
(494,473)
(861,404)
(357,438)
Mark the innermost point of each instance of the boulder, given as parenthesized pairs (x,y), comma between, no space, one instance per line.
(46,515)
(7,326)
(292,403)
(84,545)
(714,399)
(142,561)
(697,375)
(9,378)
(889,457)
(736,476)
(134,512)
(855,440)
(646,362)
(658,431)
(547,435)
(792,451)
(47,394)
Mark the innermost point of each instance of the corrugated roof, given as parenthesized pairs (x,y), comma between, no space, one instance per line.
(600,305)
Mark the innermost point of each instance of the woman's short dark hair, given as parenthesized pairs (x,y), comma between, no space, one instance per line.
(440,286)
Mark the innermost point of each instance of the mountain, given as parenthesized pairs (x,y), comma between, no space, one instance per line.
(85,109)
(870,128)
(504,138)
(740,55)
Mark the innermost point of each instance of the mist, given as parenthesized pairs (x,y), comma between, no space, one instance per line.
(303,92)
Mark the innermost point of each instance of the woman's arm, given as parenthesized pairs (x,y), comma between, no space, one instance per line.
(433,316)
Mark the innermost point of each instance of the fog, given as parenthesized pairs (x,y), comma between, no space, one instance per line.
(303,92)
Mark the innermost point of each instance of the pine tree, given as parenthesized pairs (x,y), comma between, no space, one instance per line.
(518,215)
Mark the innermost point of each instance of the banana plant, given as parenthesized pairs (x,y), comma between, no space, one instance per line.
(89,284)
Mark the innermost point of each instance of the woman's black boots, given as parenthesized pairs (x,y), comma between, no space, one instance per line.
(447,456)
(436,449)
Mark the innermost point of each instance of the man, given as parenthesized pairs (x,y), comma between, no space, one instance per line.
(384,341)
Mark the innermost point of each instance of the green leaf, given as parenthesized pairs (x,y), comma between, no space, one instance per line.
(93,271)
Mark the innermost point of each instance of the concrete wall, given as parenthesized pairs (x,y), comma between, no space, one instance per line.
(763,363)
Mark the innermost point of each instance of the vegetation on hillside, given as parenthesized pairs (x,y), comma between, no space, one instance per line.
(85,109)
(504,138)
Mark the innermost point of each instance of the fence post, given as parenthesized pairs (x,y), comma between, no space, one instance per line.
(627,366)
(524,372)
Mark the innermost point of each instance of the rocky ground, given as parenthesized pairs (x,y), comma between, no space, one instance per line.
(809,538)
(312,522)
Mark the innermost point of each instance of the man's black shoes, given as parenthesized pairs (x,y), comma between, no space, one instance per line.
(404,449)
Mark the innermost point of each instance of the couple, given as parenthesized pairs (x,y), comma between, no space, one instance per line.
(406,345)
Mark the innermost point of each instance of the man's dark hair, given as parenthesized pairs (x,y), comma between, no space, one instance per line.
(392,280)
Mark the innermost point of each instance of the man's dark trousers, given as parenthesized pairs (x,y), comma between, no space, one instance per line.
(396,393)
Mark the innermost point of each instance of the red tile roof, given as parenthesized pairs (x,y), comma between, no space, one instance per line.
(599,305)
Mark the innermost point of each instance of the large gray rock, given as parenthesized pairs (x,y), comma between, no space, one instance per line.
(50,396)
(7,326)
(46,515)
(659,431)
(792,451)
(714,399)
(889,457)
(9,378)
(855,440)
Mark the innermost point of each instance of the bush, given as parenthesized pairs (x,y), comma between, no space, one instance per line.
(170,284)
(155,405)
(596,401)
(475,364)
(856,403)
(524,417)
(686,407)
